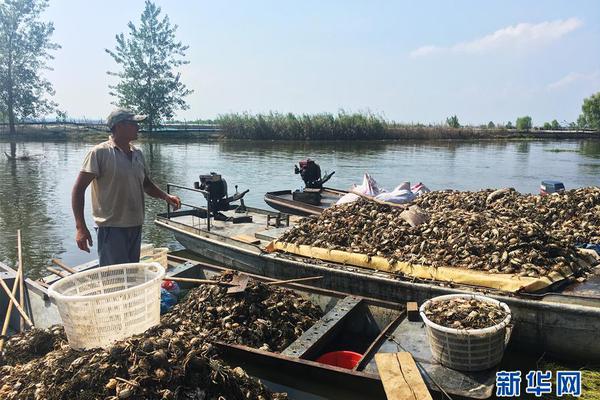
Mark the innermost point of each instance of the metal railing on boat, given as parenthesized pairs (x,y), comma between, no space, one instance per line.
(203,192)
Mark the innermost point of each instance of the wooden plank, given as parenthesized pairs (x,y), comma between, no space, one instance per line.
(400,377)
(246,239)
(412,310)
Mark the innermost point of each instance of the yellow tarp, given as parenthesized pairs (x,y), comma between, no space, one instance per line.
(506,282)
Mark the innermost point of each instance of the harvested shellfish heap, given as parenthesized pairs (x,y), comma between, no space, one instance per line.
(498,232)
(464,313)
(174,360)
(262,317)
(32,344)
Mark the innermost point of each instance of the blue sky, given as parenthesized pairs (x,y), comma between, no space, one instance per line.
(408,61)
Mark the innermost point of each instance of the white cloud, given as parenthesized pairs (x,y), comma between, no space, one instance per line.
(573,77)
(512,36)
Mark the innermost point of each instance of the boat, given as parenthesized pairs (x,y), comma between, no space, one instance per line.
(362,325)
(289,202)
(563,321)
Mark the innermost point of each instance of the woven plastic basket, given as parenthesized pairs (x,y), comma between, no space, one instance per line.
(105,304)
(155,254)
(468,349)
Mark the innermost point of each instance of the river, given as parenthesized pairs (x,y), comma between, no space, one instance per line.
(35,194)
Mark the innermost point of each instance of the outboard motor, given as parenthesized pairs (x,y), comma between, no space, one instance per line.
(216,186)
(310,173)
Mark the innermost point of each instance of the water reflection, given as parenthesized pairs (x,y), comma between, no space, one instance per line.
(23,205)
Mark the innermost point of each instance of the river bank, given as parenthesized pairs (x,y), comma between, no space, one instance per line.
(95,132)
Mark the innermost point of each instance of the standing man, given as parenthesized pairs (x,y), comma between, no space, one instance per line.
(119,177)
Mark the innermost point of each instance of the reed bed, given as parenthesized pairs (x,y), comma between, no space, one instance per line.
(359,126)
(276,126)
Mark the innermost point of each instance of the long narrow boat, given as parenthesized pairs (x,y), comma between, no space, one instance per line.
(563,322)
(283,200)
(362,325)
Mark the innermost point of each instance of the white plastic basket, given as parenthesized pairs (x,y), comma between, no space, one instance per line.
(155,254)
(468,349)
(105,304)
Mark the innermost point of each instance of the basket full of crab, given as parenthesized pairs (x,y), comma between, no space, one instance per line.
(467,332)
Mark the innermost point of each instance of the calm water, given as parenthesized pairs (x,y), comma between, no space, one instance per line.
(35,195)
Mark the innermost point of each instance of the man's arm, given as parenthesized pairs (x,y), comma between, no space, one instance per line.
(82,237)
(152,190)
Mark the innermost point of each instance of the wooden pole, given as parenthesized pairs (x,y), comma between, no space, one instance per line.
(15,302)
(56,272)
(8,313)
(198,281)
(310,278)
(64,266)
(21,277)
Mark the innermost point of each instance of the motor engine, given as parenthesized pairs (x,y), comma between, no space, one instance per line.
(216,186)
(310,173)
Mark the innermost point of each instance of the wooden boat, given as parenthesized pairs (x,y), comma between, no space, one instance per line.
(363,325)
(283,200)
(564,321)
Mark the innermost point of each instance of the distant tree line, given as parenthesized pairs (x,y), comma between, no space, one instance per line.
(588,119)
(148,57)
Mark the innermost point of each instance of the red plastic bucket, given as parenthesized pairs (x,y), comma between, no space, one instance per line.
(343,359)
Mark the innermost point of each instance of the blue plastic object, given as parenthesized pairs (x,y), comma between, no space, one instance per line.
(590,246)
(172,287)
(167,300)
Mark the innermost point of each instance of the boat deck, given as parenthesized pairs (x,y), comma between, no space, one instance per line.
(328,199)
(260,231)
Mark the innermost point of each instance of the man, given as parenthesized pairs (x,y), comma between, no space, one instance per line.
(119,178)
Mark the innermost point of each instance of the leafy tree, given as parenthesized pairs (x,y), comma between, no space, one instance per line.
(25,47)
(582,122)
(149,57)
(491,125)
(453,122)
(555,125)
(591,111)
(509,125)
(524,123)
(547,126)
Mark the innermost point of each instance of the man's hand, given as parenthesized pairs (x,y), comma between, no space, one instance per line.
(174,201)
(83,238)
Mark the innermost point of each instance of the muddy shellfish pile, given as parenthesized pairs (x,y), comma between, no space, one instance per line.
(497,231)
(464,313)
(174,360)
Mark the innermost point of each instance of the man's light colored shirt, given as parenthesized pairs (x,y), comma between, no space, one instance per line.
(118,189)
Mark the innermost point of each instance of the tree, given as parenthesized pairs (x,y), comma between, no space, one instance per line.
(591,111)
(547,126)
(509,125)
(524,123)
(25,47)
(149,56)
(555,125)
(582,122)
(453,122)
(491,125)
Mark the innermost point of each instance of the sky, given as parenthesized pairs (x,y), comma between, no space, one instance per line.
(404,60)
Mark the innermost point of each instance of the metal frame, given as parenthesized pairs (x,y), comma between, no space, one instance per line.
(206,196)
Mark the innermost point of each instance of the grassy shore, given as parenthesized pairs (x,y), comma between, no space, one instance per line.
(276,126)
